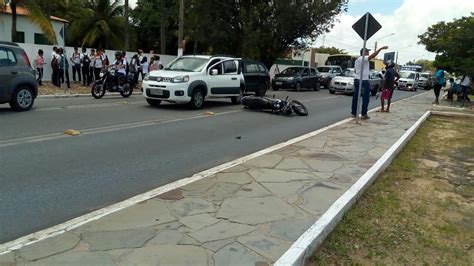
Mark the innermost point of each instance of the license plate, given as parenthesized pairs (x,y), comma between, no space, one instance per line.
(156,92)
(278,83)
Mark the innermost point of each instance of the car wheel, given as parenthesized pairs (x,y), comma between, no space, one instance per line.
(332,92)
(298,86)
(261,90)
(275,88)
(153,102)
(197,100)
(23,99)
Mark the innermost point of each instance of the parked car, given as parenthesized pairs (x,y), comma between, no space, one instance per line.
(256,76)
(425,81)
(344,83)
(327,73)
(408,80)
(193,78)
(296,78)
(18,85)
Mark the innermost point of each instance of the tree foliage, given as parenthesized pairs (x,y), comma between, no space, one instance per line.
(258,29)
(98,23)
(426,64)
(330,50)
(454,44)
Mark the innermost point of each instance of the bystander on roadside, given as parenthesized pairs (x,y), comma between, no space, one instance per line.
(439,83)
(388,85)
(39,62)
(466,81)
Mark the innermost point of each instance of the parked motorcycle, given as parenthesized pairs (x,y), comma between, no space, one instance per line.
(110,81)
(278,106)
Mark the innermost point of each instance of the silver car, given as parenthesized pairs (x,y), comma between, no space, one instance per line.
(344,83)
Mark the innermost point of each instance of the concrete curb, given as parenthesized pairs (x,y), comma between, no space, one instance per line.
(309,241)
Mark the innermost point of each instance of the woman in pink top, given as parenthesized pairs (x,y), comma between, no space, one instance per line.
(39,61)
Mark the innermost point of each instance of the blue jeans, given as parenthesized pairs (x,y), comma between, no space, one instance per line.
(365,96)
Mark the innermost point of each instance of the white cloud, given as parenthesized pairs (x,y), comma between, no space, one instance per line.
(411,19)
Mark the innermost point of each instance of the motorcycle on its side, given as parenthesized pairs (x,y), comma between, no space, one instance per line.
(278,106)
(110,81)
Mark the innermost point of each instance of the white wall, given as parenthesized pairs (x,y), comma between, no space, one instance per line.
(32,51)
(26,26)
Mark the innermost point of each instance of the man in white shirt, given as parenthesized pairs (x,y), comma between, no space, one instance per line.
(358,67)
(76,65)
(465,85)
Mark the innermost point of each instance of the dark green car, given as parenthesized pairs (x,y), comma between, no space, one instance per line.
(18,85)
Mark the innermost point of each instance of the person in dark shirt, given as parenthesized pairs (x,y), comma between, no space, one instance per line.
(388,85)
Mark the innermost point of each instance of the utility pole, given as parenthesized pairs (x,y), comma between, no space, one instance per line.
(127,35)
(181,27)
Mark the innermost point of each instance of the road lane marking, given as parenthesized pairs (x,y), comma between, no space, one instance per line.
(97,214)
(97,130)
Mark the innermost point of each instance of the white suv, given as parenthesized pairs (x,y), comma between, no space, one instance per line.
(191,79)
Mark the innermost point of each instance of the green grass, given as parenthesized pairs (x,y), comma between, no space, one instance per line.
(403,218)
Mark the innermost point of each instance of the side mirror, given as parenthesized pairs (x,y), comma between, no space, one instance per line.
(214,72)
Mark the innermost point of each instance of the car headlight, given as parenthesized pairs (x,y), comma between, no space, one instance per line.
(180,79)
(291,78)
(350,83)
(147,76)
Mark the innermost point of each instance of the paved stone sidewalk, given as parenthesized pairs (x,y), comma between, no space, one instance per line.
(247,215)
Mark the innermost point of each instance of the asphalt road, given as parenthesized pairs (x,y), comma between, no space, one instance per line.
(127,147)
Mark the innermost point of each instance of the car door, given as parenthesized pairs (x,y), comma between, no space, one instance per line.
(306,78)
(226,80)
(314,77)
(8,61)
(251,75)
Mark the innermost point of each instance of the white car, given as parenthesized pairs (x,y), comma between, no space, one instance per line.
(408,80)
(192,79)
(344,83)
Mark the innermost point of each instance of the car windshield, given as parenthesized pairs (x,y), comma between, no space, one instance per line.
(291,71)
(426,76)
(348,73)
(191,64)
(407,75)
(324,69)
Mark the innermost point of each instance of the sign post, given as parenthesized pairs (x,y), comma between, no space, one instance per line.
(366,27)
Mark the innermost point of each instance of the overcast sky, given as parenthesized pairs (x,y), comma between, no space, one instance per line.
(406,18)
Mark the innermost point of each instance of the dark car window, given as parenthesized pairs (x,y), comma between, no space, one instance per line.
(324,69)
(251,68)
(7,57)
(230,67)
(218,67)
(262,68)
(291,71)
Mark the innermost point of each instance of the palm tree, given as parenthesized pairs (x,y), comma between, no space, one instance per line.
(36,15)
(98,23)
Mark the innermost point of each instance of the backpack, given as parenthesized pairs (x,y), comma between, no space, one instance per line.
(55,63)
(133,66)
(86,61)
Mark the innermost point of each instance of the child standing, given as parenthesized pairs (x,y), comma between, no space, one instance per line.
(39,61)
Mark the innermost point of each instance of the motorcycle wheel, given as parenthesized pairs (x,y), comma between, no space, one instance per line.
(299,108)
(127,91)
(98,90)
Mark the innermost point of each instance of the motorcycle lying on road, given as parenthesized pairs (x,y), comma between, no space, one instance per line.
(110,81)
(278,106)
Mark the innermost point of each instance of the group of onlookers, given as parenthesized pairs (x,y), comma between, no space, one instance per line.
(86,67)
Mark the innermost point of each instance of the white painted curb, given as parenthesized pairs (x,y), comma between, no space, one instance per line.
(304,247)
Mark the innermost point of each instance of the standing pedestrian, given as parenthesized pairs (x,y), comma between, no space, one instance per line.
(98,64)
(388,86)
(365,68)
(439,83)
(157,63)
(450,89)
(55,67)
(64,68)
(144,67)
(39,62)
(466,81)
(86,64)
(151,65)
(134,68)
(91,67)
(76,65)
